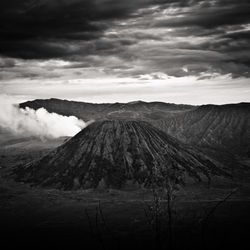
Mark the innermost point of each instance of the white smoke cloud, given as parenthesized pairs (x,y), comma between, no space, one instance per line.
(39,123)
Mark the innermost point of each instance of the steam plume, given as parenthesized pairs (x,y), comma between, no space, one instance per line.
(39,123)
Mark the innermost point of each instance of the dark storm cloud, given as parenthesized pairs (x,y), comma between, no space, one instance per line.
(210,16)
(130,37)
(33,22)
(7,63)
(35,49)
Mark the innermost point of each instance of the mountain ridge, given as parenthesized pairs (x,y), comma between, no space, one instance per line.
(223,131)
(112,153)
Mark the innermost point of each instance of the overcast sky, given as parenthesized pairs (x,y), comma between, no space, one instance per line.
(188,51)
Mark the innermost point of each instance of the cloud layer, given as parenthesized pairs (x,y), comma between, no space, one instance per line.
(39,123)
(75,39)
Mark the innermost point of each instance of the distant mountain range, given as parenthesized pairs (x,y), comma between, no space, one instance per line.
(89,111)
(114,153)
(222,131)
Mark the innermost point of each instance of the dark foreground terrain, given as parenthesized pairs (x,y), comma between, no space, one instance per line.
(33,217)
(117,220)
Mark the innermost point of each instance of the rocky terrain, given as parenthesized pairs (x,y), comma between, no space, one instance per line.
(113,153)
(90,111)
(226,127)
(221,131)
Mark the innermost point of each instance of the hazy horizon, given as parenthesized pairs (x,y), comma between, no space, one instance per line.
(138,100)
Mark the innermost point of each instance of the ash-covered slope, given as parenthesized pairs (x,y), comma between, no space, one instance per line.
(111,153)
(220,130)
(222,127)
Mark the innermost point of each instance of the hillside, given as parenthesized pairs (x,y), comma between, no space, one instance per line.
(90,111)
(225,127)
(113,153)
(223,131)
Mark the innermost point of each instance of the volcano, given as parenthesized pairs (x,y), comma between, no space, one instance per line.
(114,153)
